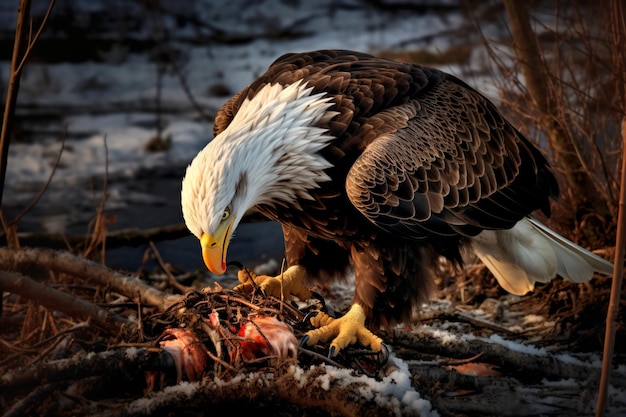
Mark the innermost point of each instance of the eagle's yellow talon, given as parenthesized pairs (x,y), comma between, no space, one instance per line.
(290,282)
(320,319)
(344,331)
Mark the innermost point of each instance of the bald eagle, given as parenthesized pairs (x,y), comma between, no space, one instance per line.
(379,167)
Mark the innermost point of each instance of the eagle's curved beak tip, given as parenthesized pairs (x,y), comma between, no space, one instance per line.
(215,247)
(213,254)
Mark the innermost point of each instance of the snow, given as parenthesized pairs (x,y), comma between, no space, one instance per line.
(593,362)
(324,381)
(146,405)
(393,390)
(517,347)
(132,352)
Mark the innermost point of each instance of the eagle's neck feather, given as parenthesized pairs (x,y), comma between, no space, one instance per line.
(276,138)
(267,155)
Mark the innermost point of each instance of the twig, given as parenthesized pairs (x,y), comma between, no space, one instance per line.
(33,40)
(14,80)
(99,235)
(192,99)
(43,353)
(12,90)
(11,236)
(14,348)
(74,328)
(170,278)
(322,358)
(241,300)
(41,192)
(457,316)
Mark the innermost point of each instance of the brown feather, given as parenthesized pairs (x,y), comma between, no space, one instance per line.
(420,160)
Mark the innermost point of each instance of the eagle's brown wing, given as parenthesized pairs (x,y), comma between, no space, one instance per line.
(360,84)
(448,163)
(426,153)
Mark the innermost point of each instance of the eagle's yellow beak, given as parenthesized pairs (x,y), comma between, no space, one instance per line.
(214,247)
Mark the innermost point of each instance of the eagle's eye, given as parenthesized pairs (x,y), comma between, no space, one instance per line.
(226,214)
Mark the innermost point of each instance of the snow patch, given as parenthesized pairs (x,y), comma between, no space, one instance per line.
(146,406)
(132,352)
(394,389)
(518,347)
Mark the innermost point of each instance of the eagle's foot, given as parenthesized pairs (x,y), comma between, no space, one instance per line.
(344,331)
(289,282)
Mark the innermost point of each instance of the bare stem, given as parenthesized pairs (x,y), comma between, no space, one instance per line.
(616,285)
(13,88)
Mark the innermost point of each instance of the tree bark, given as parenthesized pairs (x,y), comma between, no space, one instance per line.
(542,93)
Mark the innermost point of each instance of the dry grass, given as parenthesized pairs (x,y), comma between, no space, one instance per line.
(573,107)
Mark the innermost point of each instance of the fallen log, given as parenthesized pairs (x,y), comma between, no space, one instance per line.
(24,259)
(513,358)
(121,362)
(335,391)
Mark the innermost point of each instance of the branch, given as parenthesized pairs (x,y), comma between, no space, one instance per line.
(518,361)
(12,90)
(118,238)
(115,239)
(314,388)
(56,300)
(64,262)
(108,363)
(26,405)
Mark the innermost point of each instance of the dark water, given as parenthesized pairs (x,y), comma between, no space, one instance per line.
(254,243)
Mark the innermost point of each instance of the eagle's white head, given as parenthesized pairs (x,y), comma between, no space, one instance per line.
(267,155)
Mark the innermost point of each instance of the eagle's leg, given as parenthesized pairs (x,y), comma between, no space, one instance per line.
(343,331)
(289,282)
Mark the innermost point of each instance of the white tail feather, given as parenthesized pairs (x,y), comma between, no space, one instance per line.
(530,252)
(510,276)
(596,263)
